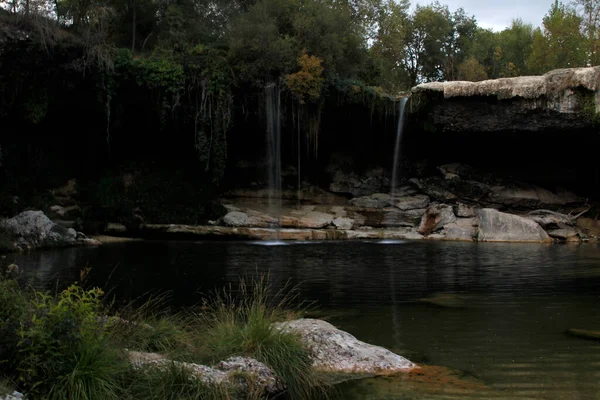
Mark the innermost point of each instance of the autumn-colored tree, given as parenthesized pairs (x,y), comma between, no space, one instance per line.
(307,83)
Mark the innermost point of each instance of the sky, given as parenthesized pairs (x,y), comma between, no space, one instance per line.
(497,14)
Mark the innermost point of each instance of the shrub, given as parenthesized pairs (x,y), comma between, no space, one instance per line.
(63,348)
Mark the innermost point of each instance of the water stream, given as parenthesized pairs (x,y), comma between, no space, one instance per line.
(396,169)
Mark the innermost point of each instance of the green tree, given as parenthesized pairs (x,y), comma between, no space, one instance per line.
(561,43)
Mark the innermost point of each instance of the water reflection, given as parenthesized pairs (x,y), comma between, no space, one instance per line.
(512,302)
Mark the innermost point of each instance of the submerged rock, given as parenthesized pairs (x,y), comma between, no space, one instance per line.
(33,229)
(334,350)
(496,226)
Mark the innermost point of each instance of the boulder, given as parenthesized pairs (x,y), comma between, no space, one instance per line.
(333,350)
(343,223)
(33,229)
(236,218)
(411,202)
(496,226)
(226,373)
(436,217)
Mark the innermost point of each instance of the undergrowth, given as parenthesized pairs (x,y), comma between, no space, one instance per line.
(63,346)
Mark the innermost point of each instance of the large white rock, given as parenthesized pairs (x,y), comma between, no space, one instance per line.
(334,350)
(496,226)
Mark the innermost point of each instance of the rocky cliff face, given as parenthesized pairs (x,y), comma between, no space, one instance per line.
(561,99)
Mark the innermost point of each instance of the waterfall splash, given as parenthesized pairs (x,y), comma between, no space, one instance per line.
(398,147)
(273,111)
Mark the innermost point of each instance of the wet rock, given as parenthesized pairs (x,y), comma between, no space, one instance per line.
(343,223)
(496,226)
(549,220)
(236,218)
(464,211)
(412,202)
(333,350)
(33,229)
(436,217)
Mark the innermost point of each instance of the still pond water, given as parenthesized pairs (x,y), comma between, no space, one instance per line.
(495,318)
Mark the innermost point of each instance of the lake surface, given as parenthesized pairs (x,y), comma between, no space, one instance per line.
(495,314)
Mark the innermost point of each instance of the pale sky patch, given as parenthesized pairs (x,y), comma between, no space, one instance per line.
(498,14)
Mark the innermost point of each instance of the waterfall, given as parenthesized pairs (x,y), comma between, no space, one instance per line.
(398,146)
(273,111)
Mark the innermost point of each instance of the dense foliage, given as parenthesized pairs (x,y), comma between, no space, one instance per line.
(125,81)
(65,346)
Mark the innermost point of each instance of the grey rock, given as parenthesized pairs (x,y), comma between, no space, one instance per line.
(412,202)
(436,217)
(565,233)
(343,223)
(496,226)
(262,376)
(333,350)
(315,220)
(223,373)
(374,201)
(464,211)
(33,229)
(236,218)
(454,231)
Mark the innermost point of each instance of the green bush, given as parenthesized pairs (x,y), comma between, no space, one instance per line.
(63,348)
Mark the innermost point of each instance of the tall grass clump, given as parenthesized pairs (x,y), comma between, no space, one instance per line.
(242,324)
